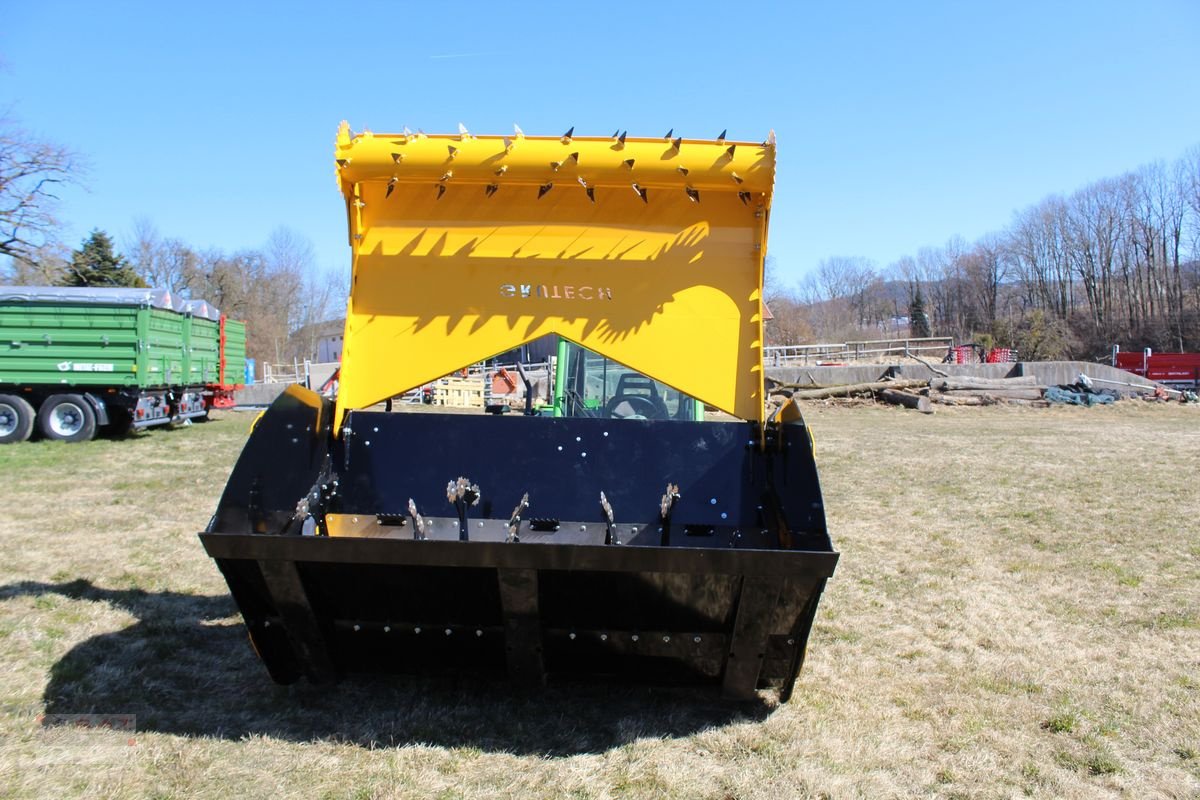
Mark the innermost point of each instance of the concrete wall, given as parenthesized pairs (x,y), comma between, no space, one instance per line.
(259,394)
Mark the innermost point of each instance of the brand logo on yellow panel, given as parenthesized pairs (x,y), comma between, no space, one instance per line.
(555,291)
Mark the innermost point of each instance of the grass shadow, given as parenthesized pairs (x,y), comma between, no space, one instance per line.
(186,668)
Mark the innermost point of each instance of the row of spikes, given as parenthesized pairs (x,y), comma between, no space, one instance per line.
(398,158)
(543,189)
(618,136)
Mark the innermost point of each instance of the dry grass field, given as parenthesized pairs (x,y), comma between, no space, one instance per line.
(1016,613)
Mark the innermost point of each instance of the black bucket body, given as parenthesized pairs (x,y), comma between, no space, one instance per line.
(703,563)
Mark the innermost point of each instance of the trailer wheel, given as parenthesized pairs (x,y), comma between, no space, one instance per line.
(67,418)
(16,419)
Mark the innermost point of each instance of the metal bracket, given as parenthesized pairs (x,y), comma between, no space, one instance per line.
(286,590)
(522,624)
(755,612)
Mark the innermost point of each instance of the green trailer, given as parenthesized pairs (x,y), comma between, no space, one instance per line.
(74,360)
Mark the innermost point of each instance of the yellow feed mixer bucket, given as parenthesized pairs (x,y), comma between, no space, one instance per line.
(626,538)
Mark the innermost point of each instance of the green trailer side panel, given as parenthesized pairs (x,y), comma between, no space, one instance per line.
(202,362)
(71,344)
(235,353)
(165,349)
(94,344)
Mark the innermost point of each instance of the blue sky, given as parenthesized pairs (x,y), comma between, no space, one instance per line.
(899,124)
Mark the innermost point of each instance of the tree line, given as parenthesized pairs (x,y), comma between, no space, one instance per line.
(277,288)
(1116,262)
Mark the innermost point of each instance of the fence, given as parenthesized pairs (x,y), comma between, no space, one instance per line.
(793,355)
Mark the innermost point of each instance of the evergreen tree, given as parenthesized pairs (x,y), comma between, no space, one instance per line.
(918,320)
(95,263)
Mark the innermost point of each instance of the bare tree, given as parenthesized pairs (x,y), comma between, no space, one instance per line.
(163,263)
(48,265)
(31,171)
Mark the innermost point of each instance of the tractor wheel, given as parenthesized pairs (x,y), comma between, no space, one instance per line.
(67,418)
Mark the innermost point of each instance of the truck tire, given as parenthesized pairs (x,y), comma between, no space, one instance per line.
(16,419)
(67,418)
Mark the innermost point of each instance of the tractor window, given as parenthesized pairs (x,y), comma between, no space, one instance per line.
(595,386)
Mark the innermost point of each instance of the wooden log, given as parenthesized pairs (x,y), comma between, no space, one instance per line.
(962,400)
(854,388)
(972,382)
(1025,393)
(919,402)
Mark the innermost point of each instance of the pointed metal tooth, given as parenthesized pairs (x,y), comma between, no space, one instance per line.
(341,162)
(441,190)
(554,165)
(721,138)
(422,134)
(669,134)
(683,171)
(545,187)
(736,178)
(508,144)
(520,134)
(621,138)
(729,150)
(744,197)
(447,176)
(390,186)
(397,158)
(640,193)
(407,132)
(616,133)
(463,133)
(628,162)
(677,143)
(491,189)
(503,168)
(574,157)
(692,194)
(566,137)
(452,150)
(591,193)
(582,181)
